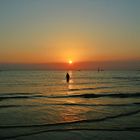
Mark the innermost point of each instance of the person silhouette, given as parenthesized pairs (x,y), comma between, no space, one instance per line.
(67,77)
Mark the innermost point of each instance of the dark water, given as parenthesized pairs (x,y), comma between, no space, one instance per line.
(34,102)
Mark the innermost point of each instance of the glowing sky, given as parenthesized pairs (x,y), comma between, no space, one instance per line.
(42,31)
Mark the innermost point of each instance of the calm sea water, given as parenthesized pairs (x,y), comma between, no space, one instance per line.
(34,102)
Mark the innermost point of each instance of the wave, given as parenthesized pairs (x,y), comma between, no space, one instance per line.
(84,105)
(88,95)
(127,78)
(19,95)
(72,104)
(119,95)
(73,122)
(92,95)
(13,106)
(79,89)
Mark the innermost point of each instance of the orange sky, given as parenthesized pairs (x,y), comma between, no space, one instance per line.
(59,31)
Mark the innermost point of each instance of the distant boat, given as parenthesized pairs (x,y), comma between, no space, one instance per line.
(99,69)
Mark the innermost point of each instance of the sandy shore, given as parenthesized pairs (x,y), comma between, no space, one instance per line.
(84,135)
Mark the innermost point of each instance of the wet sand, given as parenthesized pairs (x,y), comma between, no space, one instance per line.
(84,135)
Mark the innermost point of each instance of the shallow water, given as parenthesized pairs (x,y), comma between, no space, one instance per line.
(36,101)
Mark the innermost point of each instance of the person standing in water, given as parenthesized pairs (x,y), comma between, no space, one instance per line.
(67,77)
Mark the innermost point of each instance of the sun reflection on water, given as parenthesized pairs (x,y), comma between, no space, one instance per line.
(73,114)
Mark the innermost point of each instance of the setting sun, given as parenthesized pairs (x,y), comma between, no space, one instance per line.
(70,61)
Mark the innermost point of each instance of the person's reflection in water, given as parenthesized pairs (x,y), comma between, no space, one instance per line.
(67,77)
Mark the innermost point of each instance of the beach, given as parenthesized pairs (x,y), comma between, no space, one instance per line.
(39,104)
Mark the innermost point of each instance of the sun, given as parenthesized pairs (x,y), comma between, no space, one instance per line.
(70,62)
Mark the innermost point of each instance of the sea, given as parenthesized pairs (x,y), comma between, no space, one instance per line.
(38,101)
